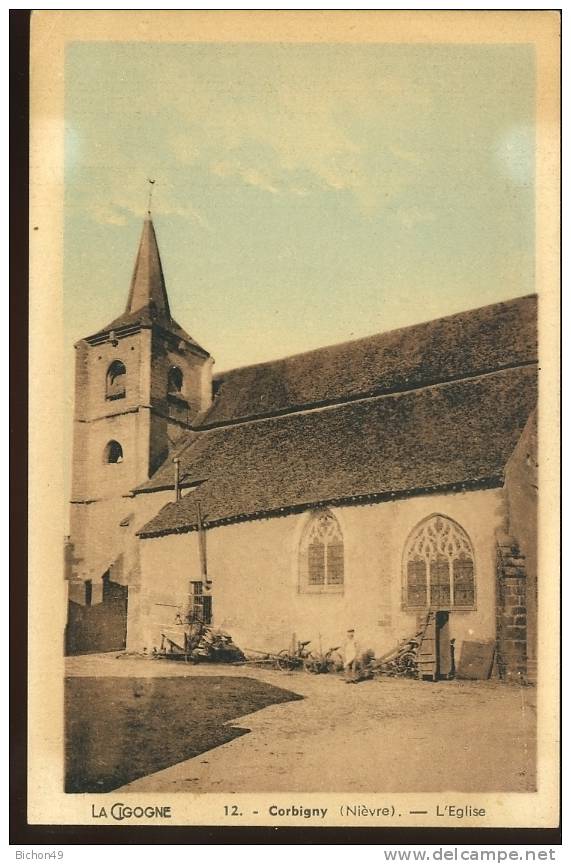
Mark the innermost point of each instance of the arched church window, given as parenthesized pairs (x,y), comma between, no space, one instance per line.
(115,383)
(439,566)
(113,453)
(322,554)
(175,380)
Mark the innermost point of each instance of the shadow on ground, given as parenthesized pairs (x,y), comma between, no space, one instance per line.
(120,729)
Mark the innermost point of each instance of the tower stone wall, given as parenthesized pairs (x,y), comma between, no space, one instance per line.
(139,384)
(99,419)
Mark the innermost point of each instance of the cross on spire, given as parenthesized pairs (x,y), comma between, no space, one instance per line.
(151,186)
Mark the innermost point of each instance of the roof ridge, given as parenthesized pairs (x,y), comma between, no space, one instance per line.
(385,333)
(215,437)
(307,408)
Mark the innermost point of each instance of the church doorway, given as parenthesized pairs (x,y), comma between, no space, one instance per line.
(436,661)
(444,654)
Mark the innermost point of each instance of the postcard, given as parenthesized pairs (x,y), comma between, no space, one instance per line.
(294,389)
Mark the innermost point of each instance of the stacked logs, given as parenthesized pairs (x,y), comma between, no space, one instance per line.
(400,663)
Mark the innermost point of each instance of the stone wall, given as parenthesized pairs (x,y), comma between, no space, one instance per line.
(102,627)
(99,420)
(521,491)
(103,535)
(511,615)
(103,516)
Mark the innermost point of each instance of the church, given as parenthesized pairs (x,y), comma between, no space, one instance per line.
(358,485)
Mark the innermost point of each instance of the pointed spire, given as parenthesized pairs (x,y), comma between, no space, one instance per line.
(148,287)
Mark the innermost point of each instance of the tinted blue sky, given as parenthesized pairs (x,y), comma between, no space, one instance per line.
(305,194)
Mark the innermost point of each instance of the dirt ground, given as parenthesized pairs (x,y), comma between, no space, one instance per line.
(386,735)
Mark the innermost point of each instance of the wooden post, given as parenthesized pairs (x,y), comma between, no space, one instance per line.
(176,479)
(202,549)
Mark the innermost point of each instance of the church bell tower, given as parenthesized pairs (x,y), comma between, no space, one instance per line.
(139,383)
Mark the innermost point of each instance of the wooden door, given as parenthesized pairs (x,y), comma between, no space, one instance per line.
(443,653)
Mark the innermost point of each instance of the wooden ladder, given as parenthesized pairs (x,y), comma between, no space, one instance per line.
(427,661)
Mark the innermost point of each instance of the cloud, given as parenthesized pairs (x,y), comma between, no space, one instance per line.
(288,123)
(120,210)
(344,134)
(255,178)
(109,214)
(409,217)
(309,123)
(251,176)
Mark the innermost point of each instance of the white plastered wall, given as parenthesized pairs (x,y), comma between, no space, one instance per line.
(255,581)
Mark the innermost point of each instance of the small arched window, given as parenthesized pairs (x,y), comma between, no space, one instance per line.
(113,453)
(175,380)
(115,383)
(322,554)
(439,566)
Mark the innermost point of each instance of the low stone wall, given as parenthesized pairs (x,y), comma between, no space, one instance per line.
(101,627)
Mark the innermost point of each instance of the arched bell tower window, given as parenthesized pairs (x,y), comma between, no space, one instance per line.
(321,555)
(439,566)
(175,380)
(113,453)
(115,383)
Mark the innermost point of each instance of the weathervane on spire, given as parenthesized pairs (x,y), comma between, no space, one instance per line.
(151,184)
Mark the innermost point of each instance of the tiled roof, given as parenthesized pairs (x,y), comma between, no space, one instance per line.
(438,437)
(147,317)
(467,344)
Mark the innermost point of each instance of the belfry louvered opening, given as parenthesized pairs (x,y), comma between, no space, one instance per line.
(115,380)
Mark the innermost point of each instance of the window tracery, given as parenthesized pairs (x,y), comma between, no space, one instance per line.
(439,566)
(322,562)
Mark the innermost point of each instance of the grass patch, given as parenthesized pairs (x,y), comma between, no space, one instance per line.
(119,729)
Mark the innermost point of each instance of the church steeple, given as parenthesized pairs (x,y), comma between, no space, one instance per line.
(148,287)
(140,383)
(148,302)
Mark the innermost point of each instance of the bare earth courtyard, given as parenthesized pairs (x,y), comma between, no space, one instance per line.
(386,735)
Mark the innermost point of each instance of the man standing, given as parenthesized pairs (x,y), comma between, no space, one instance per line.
(351,658)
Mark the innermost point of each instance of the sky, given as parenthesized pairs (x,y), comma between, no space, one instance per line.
(305,194)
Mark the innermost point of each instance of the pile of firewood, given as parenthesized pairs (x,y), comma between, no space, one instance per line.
(217,647)
(402,662)
(195,641)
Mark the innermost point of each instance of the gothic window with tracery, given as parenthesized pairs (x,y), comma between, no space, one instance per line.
(115,382)
(439,566)
(322,555)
